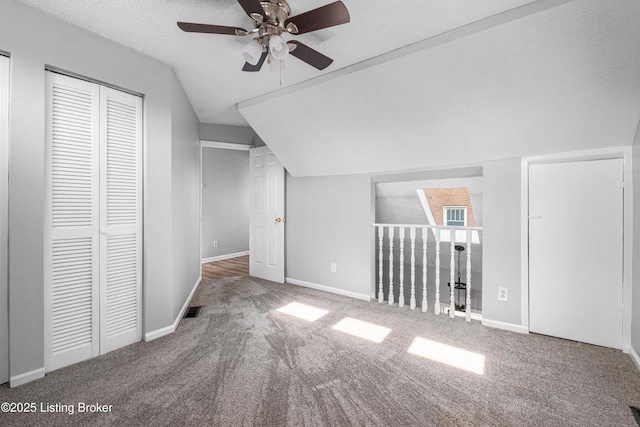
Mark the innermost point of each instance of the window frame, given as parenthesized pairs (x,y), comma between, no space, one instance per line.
(446,209)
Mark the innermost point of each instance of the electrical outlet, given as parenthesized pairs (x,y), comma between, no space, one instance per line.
(503,294)
(216,243)
(334,267)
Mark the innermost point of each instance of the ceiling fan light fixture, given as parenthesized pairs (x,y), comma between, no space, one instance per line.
(252,51)
(278,47)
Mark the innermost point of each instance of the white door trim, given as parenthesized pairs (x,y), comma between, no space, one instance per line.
(225,145)
(582,155)
(4,204)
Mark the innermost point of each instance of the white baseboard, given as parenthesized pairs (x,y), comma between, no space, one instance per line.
(634,357)
(324,288)
(227,256)
(150,336)
(506,326)
(27,377)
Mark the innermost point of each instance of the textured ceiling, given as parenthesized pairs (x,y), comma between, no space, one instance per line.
(415,84)
(208,66)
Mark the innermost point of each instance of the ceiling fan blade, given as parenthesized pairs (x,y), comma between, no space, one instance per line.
(252,7)
(310,56)
(211,29)
(249,67)
(332,14)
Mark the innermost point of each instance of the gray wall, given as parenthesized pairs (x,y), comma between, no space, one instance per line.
(501,246)
(635,311)
(48,41)
(329,220)
(185,167)
(225,201)
(227,133)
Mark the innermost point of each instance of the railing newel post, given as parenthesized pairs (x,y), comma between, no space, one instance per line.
(412,235)
(452,275)
(401,295)
(391,297)
(425,304)
(468,293)
(380,264)
(436,306)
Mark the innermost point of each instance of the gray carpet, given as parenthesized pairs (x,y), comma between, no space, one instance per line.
(240,362)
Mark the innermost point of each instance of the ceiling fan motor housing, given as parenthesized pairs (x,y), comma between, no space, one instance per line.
(276,12)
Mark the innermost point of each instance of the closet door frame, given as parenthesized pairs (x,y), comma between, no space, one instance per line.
(4,216)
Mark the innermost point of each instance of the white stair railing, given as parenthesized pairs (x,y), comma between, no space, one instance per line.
(468,235)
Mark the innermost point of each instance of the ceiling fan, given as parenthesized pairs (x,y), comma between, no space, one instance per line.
(271,19)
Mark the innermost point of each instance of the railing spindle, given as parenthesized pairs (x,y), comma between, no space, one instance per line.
(425,233)
(401,296)
(452,275)
(436,306)
(468,302)
(380,264)
(391,265)
(412,235)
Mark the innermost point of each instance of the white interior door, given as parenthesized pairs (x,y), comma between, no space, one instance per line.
(71,221)
(120,219)
(4,204)
(266,221)
(575,250)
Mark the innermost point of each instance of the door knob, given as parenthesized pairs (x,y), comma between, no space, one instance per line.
(280,220)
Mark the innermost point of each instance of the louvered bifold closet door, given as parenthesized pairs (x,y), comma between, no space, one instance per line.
(121,220)
(71,221)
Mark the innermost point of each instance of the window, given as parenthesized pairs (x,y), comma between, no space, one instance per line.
(455,216)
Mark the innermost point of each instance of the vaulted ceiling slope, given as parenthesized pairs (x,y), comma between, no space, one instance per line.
(539,81)
(414,83)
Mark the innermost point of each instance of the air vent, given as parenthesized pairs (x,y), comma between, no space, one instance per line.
(193,311)
(636,413)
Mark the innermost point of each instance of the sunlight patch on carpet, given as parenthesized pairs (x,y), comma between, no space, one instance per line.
(362,329)
(303,311)
(449,355)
